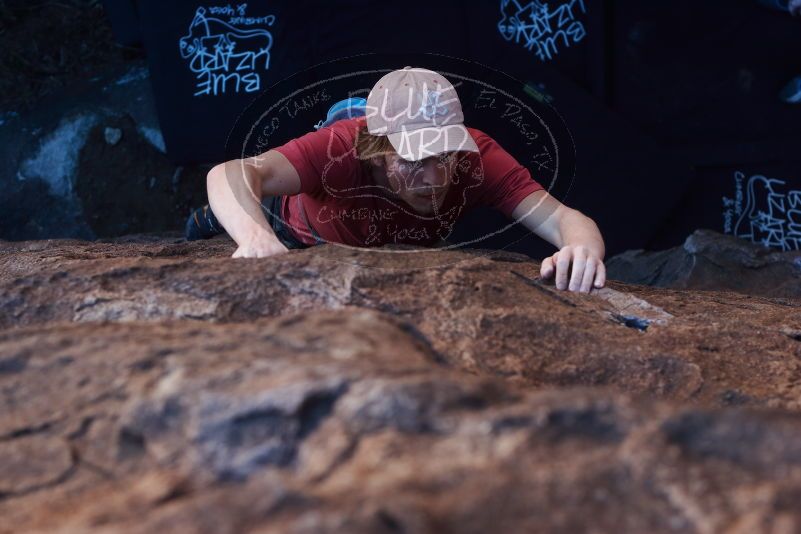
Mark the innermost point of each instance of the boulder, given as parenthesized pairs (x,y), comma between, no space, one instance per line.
(710,260)
(151,384)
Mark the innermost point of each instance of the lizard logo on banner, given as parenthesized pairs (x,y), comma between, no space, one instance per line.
(540,28)
(225,57)
(771,215)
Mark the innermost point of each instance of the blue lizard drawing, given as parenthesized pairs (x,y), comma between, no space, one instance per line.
(212,44)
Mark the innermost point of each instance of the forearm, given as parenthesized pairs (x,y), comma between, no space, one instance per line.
(575,229)
(235,198)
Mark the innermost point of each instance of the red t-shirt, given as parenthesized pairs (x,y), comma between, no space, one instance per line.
(344,205)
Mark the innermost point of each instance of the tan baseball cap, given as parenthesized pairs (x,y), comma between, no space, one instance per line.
(419,111)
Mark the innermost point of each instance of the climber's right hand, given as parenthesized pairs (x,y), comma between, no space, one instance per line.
(260,248)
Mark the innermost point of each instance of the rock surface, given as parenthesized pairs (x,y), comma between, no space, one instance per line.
(711,260)
(150,384)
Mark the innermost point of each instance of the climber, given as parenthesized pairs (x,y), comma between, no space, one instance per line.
(401,168)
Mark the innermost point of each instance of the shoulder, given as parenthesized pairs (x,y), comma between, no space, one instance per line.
(492,162)
(346,129)
(477,134)
(324,159)
(490,152)
(338,137)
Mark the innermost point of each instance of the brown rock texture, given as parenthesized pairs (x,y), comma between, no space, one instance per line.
(148,384)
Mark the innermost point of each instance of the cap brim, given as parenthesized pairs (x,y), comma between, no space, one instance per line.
(414,145)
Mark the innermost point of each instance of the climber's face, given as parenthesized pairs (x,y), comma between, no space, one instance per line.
(421,184)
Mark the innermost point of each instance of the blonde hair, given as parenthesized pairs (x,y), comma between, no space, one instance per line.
(370,146)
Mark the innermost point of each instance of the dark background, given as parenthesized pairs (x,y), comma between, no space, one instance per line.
(666,102)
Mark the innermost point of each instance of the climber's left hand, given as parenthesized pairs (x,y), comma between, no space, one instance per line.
(576,267)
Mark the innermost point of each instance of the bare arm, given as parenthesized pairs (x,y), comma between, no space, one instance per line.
(235,190)
(575,235)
